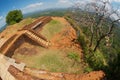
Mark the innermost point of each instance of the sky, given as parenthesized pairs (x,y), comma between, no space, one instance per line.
(27,6)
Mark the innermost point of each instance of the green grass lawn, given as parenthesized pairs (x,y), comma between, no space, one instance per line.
(50,29)
(51,60)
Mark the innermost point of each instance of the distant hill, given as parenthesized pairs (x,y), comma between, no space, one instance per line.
(47,12)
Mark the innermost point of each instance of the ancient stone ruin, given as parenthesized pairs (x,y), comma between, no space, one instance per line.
(10,69)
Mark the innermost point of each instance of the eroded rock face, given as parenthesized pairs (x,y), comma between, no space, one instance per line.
(21,75)
(31,74)
(95,75)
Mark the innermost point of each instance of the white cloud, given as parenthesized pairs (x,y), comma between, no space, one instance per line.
(32,7)
(115,0)
(73,2)
(82,3)
(2,21)
(1,17)
(97,0)
(64,1)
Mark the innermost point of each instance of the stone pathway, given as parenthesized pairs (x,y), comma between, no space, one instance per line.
(5,62)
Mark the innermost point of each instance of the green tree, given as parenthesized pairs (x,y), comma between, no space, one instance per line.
(14,16)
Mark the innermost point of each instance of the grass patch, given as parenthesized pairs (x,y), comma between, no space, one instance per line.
(75,57)
(52,28)
(51,60)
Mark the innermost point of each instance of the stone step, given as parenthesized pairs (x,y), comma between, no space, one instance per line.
(37,38)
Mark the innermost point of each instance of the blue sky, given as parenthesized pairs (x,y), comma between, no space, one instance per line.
(27,6)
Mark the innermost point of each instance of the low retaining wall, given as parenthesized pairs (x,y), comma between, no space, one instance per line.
(16,40)
(16,44)
(3,47)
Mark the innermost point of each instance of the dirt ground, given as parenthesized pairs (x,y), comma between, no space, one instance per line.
(65,40)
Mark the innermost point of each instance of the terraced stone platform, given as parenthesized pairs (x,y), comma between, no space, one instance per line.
(7,48)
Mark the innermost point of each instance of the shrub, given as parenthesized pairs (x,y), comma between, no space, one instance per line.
(74,56)
(88,69)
